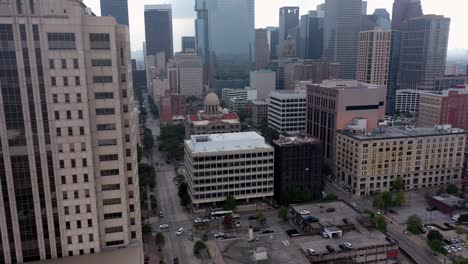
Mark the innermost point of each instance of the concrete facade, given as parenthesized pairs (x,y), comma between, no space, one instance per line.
(407,101)
(259,113)
(262,49)
(309,70)
(264,82)
(287,111)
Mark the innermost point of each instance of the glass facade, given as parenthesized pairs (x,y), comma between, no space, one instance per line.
(117,9)
(158,30)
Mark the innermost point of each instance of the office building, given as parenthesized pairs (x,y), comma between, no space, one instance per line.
(361,168)
(380,19)
(229,93)
(264,82)
(172,108)
(117,9)
(287,111)
(407,101)
(273,41)
(310,44)
(404,10)
(236,104)
(446,107)
(259,113)
(378,61)
(262,49)
(238,164)
(309,70)
(185,73)
(158,30)
(213,120)
(69,132)
(188,45)
(447,82)
(288,19)
(201,30)
(334,104)
(298,169)
(423,51)
(341,32)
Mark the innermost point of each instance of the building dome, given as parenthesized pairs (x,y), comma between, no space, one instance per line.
(211,99)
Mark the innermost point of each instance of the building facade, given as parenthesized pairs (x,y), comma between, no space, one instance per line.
(259,113)
(404,10)
(262,49)
(69,130)
(298,169)
(188,44)
(341,31)
(219,165)
(334,104)
(264,82)
(309,70)
(446,107)
(229,93)
(117,9)
(273,41)
(423,52)
(189,74)
(287,111)
(288,19)
(158,30)
(407,101)
(311,35)
(423,157)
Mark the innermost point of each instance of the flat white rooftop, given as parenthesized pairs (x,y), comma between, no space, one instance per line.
(127,255)
(225,142)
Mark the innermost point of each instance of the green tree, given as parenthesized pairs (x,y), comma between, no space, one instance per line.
(171,140)
(183,194)
(154,202)
(139,152)
(378,202)
(381,223)
(463,218)
(147,175)
(160,240)
(230,203)
(459,260)
(145,229)
(452,188)
(267,132)
(436,245)
(148,140)
(413,224)
(153,108)
(330,197)
(261,218)
(399,184)
(434,234)
(283,213)
(198,247)
(400,198)
(387,200)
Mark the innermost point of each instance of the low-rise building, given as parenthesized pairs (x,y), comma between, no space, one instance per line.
(212,120)
(219,165)
(287,111)
(368,163)
(298,169)
(259,113)
(172,107)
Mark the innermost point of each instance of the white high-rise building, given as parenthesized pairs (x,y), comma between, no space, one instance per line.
(68,132)
(287,111)
(190,67)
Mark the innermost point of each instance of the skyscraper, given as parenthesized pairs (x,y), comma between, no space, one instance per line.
(404,10)
(262,49)
(201,30)
(288,19)
(117,9)
(423,55)
(341,32)
(68,129)
(311,35)
(158,30)
(188,44)
(378,61)
(273,41)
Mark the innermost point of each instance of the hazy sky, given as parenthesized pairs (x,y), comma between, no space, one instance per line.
(266,14)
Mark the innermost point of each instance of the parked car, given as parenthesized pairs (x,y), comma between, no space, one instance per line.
(391,240)
(180,231)
(238,224)
(330,249)
(219,234)
(324,234)
(348,245)
(252,217)
(161,214)
(256,229)
(429,227)
(205,237)
(310,251)
(331,209)
(430,208)
(268,231)
(164,226)
(197,220)
(292,232)
(392,211)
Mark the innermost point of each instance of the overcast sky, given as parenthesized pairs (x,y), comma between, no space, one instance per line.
(266,14)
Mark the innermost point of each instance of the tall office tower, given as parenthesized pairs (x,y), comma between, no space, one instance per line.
(288,19)
(379,19)
(298,169)
(116,8)
(404,10)
(188,44)
(262,49)
(264,82)
(423,52)
(287,111)
(309,70)
(188,70)
(273,41)
(341,32)
(68,128)
(378,61)
(345,102)
(158,30)
(230,56)
(311,35)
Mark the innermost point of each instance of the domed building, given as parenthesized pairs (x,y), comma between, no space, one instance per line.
(212,120)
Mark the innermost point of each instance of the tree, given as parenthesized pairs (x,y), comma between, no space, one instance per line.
(147,175)
(154,202)
(434,234)
(330,197)
(399,184)
(160,240)
(267,132)
(387,200)
(139,152)
(400,198)
(183,194)
(145,229)
(283,213)
(230,203)
(452,188)
(261,218)
(413,224)
(459,260)
(463,218)
(436,245)
(378,201)
(228,221)
(153,108)
(198,247)
(148,140)
(381,223)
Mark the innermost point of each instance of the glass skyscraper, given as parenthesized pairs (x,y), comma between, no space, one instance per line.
(117,9)
(158,30)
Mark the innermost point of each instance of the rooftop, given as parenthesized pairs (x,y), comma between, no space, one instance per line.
(118,256)
(226,142)
(259,102)
(397,132)
(449,200)
(288,94)
(202,120)
(339,84)
(282,141)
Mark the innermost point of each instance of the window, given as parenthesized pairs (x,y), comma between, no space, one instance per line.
(87,193)
(75,179)
(73,163)
(64,63)
(70,131)
(101,63)
(127,138)
(103,95)
(110,187)
(69,241)
(109,157)
(72,147)
(99,41)
(105,111)
(55,98)
(115,229)
(32,7)
(78,98)
(83,146)
(114,243)
(75,63)
(128,152)
(85,178)
(61,41)
(65,81)
(51,64)
(77,209)
(132,208)
(111,201)
(84,162)
(80,114)
(53,81)
(88,208)
(110,172)
(19,7)
(64,180)
(82,132)
(125,108)
(67,98)
(58,131)
(77,80)
(107,142)
(102,79)
(57,115)
(69,116)
(91,238)
(65,195)
(78,224)
(123,77)
(66,210)
(112,216)
(104,127)
(129,166)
